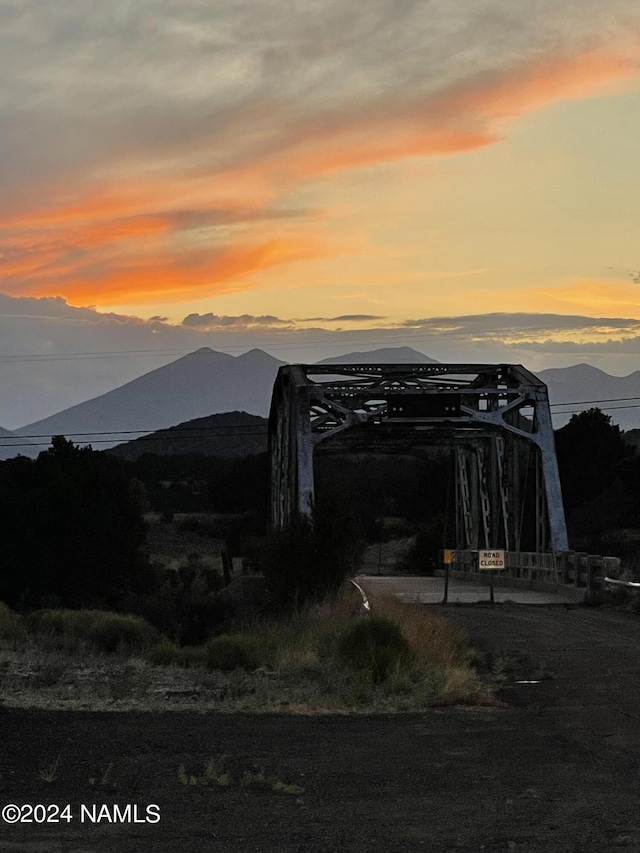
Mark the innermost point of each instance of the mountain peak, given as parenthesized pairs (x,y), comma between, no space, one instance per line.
(385,355)
(577,371)
(258,356)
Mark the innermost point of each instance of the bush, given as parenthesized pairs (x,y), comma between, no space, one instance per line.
(166,653)
(376,647)
(190,656)
(11,624)
(305,563)
(116,632)
(100,630)
(187,618)
(163,654)
(237,651)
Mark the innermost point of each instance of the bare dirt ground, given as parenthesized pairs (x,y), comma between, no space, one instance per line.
(557,769)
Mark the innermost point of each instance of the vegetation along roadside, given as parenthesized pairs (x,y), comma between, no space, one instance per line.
(322,658)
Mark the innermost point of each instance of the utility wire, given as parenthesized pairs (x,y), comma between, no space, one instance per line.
(110,441)
(232,430)
(177,433)
(585,402)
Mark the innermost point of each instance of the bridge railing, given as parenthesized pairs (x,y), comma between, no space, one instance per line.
(586,570)
(576,568)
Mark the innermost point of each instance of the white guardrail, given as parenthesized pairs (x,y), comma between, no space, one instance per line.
(618,582)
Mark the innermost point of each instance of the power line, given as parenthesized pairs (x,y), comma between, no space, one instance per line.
(108,441)
(240,430)
(236,427)
(587,402)
(146,435)
(608,409)
(248,427)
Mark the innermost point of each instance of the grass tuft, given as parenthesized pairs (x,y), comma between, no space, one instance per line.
(237,651)
(325,657)
(96,630)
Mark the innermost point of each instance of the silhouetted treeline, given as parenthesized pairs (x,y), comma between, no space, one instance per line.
(204,483)
(600,476)
(71,528)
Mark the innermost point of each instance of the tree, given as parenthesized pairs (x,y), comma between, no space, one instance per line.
(591,451)
(598,473)
(71,526)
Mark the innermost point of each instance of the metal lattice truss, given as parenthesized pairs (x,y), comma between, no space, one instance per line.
(492,415)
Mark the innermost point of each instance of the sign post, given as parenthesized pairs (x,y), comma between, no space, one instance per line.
(491,561)
(447,559)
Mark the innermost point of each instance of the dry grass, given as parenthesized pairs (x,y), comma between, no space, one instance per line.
(303,646)
(297,667)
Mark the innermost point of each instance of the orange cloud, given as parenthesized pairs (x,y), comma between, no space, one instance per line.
(598,297)
(463,118)
(169,277)
(589,297)
(535,85)
(124,239)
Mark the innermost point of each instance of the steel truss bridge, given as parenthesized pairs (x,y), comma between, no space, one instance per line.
(493,418)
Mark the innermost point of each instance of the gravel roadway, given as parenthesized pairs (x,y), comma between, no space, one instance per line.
(556,769)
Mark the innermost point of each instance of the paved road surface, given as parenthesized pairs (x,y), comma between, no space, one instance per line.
(430,590)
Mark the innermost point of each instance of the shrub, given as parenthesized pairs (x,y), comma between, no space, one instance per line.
(118,632)
(376,647)
(190,656)
(11,624)
(100,630)
(305,563)
(164,654)
(168,654)
(237,651)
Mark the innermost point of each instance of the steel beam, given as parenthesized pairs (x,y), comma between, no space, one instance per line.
(488,412)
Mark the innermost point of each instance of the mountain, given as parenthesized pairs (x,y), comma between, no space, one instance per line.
(590,387)
(8,442)
(12,445)
(197,385)
(207,382)
(388,355)
(229,434)
(202,383)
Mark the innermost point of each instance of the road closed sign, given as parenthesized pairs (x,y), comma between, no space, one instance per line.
(491,560)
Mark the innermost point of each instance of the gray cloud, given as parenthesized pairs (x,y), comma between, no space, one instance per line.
(54,355)
(242,321)
(520,322)
(267,321)
(352,318)
(85,82)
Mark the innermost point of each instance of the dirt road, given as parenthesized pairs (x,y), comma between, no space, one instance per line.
(557,770)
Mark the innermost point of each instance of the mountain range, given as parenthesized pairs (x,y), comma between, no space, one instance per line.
(205,383)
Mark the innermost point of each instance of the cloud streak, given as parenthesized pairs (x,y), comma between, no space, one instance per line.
(164,167)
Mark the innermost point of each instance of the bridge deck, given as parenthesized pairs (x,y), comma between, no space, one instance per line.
(430,590)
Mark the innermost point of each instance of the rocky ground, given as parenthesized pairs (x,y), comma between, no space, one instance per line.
(556,769)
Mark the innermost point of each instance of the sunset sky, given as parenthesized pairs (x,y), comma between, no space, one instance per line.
(313,177)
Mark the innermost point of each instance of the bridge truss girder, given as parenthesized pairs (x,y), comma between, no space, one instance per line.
(491,416)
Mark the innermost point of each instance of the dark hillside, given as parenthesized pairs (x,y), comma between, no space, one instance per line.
(230,434)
